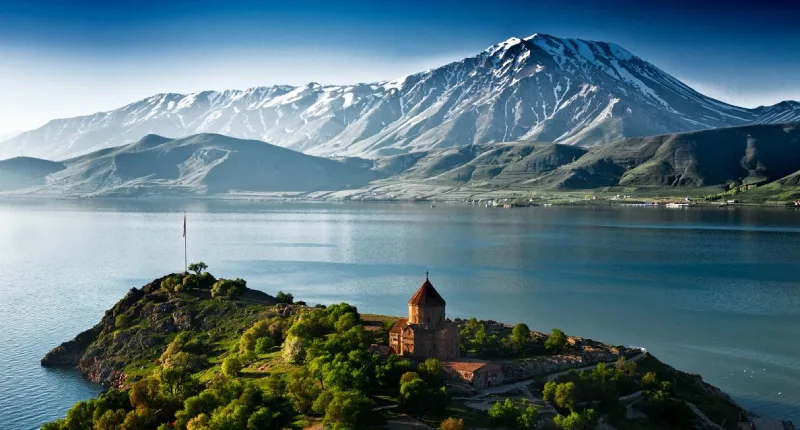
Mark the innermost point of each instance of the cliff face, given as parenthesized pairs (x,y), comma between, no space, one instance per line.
(134,333)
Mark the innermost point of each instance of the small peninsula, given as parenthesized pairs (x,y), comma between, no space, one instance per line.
(190,351)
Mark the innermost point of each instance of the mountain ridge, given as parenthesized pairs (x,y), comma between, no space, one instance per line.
(545,88)
(213,165)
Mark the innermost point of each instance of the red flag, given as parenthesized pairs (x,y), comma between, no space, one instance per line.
(184,225)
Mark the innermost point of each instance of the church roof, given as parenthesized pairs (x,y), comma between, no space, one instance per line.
(426,295)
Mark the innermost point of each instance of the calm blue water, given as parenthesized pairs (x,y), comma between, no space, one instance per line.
(712,291)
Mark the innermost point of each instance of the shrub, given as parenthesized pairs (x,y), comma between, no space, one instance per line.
(626,367)
(452,424)
(302,390)
(649,379)
(250,338)
(528,416)
(189,282)
(231,366)
(409,376)
(263,345)
(576,421)
(431,371)
(556,342)
(286,298)
(171,284)
(348,409)
(504,413)
(565,396)
(549,391)
(228,288)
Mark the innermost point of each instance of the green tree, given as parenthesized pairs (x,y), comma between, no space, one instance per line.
(302,390)
(200,422)
(556,342)
(504,413)
(110,420)
(413,394)
(520,336)
(348,409)
(286,298)
(262,418)
(626,367)
(566,396)
(528,416)
(389,372)
(576,421)
(258,331)
(649,379)
(231,366)
(549,391)
(431,371)
(198,267)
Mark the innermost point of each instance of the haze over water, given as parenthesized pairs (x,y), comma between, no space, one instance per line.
(712,291)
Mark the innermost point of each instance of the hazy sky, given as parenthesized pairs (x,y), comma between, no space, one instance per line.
(66,58)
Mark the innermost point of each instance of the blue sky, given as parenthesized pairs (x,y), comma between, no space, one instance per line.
(69,57)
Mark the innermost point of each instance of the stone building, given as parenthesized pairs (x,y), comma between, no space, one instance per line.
(426,333)
(478,373)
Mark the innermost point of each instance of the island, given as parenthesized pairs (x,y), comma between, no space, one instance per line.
(190,351)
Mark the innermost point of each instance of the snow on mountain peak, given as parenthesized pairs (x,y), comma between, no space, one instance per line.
(542,87)
(502,47)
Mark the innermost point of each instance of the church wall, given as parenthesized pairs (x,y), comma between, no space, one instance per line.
(426,315)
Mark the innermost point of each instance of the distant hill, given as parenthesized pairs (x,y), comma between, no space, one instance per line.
(23,172)
(748,154)
(502,163)
(212,164)
(202,164)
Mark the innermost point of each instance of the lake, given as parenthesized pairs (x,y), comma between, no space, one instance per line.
(714,291)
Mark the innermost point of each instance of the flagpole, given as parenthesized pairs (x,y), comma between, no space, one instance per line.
(185,260)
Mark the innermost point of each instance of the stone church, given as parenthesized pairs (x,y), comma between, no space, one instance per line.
(425,333)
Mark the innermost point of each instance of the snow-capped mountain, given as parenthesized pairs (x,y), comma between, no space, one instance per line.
(541,87)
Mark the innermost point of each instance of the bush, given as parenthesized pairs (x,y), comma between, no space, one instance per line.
(286,298)
(556,342)
(228,288)
(576,421)
(348,409)
(452,424)
(566,396)
(505,413)
(231,366)
(172,284)
(302,390)
(264,345)
(431,371)
(263,332)
(528,416)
